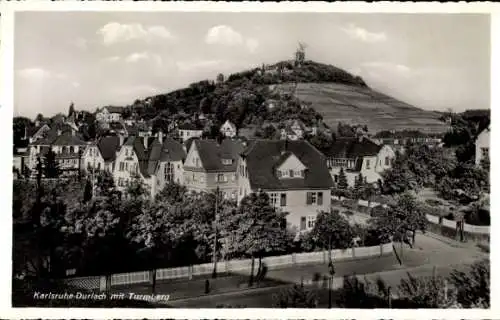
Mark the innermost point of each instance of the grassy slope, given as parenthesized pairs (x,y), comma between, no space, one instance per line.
(362,105)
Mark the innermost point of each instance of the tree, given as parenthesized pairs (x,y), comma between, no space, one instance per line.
(105,184)
(296,297)
(342,183)
(399,178)
(405,214)
(51,166)
(473,286)
(220,78)
(136,189)
(71,109)
(427,292)
(87,192)
(254,229)
(332,230)
(172,193)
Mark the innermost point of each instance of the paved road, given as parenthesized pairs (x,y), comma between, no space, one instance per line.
(232,289)
(265,297)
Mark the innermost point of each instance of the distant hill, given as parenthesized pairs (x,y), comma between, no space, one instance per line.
(333,93)
(361,105)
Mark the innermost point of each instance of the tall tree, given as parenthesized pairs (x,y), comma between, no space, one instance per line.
(342,182)
(51,166)
(87,192)
(71,109)
(332,231)
(254,229)
(406,214)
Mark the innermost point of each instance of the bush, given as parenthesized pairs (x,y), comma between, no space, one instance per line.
(434,202)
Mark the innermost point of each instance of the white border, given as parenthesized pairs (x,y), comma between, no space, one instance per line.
(6,113)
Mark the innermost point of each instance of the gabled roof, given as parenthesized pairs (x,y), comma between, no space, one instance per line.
(113,109)
(264,156)
(149,159)
(68,139)
(189,126)
(212,153)
(108,147)
(228,122)
(352,148)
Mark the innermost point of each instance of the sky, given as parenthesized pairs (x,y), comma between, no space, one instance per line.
(432,61)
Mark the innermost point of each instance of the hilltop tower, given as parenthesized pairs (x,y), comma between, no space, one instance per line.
(300,54)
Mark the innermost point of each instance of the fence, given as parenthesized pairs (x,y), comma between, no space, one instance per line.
(472,229)
(99,282)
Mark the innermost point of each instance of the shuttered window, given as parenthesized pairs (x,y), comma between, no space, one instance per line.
(283,199)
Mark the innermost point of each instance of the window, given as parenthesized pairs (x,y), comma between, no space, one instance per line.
(196,162)
(387,161)
(98,166)
(336,178)
(291,173)
(273,199)
(122,166)
(221,177)
(367,163)
(71,149)
(314,198)
(126,152)
(310,221)
(302,223)
(227,161)
(233,177)
(485,152)
(283,200)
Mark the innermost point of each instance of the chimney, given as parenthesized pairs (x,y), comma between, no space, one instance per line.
(59,131)
(73,132)
(160,136)
(122,138)
(145,140)
(285,146)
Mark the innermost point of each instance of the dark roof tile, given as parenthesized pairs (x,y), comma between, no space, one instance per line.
(263,156)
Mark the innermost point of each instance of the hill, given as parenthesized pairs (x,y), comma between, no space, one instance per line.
(361,105)
(326,91)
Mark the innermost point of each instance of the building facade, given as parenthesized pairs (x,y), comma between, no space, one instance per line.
(358,155)
(210,165)
(483,146)
(293,173)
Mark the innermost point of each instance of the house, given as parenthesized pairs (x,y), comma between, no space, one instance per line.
(154,160)
(358,155)
(483,145)
(210,165)
(109,114)
(293,173)
(167,156)
(67,146)
(189,130)
(101,154)
(298,127)
(37,132)
(228,129)
(20,160)
(287,133)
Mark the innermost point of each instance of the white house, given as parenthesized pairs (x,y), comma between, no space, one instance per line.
(228,129)
(101,155)
(67,146)
(293,173)
(188,130)
(483,146)
(358,155)
(109,114)
(156,161)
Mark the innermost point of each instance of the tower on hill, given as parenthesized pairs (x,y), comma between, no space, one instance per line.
(300,54)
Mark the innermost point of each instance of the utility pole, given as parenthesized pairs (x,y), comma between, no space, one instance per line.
(214,273)
(331,271)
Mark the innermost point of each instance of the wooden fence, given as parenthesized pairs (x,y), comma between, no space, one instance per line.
(242,266)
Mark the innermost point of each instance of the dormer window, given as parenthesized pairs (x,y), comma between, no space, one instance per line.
(227,162)
(290,173)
